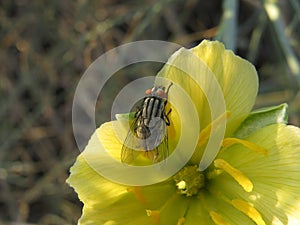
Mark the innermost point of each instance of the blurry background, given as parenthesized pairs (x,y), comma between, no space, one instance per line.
(47,45)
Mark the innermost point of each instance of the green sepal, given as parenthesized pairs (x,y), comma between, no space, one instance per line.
(125,119)
(261,118)
(126,116)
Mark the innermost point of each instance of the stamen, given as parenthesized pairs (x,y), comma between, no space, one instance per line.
(241,178)
(249,210)
(217,218)
(181,221)
(138,194)
(189,180)
(250,145)
(154,214)
(204,134)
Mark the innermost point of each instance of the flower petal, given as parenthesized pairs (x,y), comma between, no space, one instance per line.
(236,77)
(108,202)
(90,185)
(275,178)
(105,201)
(211,208)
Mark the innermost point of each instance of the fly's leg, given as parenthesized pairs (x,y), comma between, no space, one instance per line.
(166,118)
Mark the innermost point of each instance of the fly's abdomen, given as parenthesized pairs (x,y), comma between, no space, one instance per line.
(142,131)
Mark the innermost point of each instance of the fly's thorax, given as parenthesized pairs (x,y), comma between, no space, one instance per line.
(150,122)
(153,107)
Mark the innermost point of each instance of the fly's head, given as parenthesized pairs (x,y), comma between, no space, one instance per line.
(159,91)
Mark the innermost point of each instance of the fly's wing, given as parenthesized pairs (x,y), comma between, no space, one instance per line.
(163,149)
(128,154)
(157,143)
(138,106)
(161,152)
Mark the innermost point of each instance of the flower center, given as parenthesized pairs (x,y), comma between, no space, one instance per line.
(189,180)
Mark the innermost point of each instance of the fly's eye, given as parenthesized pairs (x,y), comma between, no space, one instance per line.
(161,93)
(148,91)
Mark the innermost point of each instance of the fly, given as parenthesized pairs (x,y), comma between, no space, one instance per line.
(148,131)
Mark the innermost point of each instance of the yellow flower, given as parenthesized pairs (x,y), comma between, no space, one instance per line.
(254,178)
